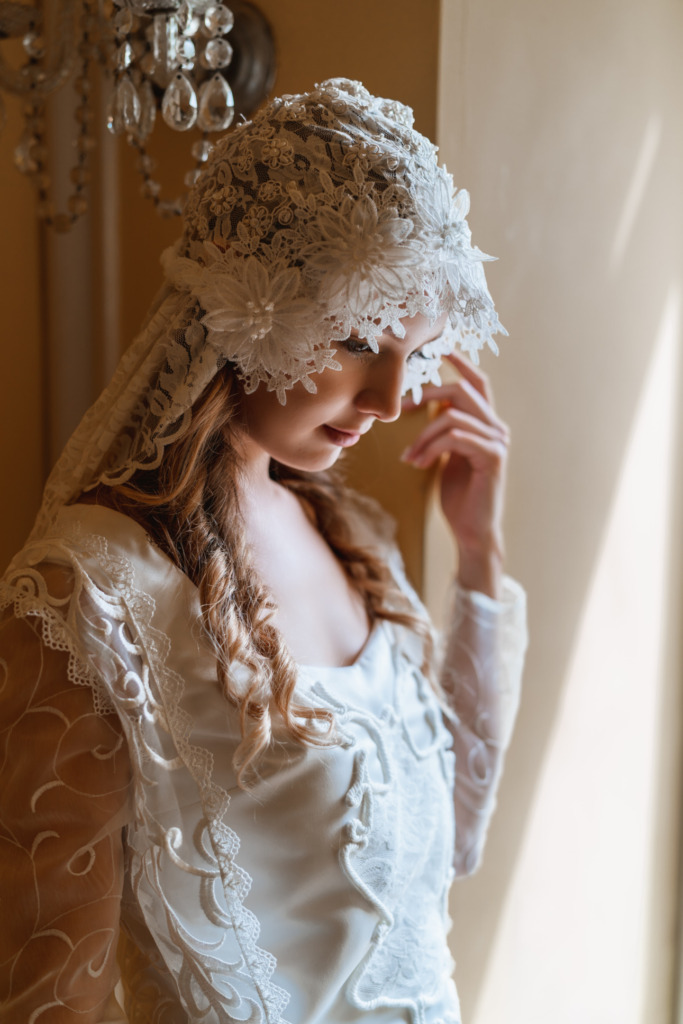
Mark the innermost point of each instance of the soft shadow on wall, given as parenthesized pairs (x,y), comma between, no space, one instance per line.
(564,122)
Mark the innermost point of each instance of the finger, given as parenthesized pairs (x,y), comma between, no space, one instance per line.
(463,395)
(484,454)
(453,419)
(477,378)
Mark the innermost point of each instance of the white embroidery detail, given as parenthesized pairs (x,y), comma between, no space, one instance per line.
(222,979)
(398,850)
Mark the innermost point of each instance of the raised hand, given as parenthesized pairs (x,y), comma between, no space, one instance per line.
(470,442)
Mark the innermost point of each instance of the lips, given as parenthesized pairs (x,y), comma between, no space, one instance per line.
(343,438)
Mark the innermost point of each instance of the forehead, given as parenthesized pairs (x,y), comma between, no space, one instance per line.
(419,330)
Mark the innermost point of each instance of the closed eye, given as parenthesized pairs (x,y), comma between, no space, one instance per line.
(358,348)
(356,345)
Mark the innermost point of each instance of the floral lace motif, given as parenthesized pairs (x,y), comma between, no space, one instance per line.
(328,213)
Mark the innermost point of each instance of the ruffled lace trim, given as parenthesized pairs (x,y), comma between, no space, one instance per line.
(397,845)
(29,597)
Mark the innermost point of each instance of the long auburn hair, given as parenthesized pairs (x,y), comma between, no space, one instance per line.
(190,506)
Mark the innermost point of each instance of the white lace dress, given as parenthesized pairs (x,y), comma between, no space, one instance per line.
(317,897)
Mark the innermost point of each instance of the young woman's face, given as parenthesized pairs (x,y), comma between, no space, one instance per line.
(310,431)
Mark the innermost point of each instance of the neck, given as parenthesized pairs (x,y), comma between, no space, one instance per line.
(256,488)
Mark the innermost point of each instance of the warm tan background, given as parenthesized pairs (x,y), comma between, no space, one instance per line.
(564,122)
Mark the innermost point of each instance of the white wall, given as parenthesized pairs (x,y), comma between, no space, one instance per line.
(564,121)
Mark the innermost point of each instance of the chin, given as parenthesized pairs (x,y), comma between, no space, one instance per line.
(317,463)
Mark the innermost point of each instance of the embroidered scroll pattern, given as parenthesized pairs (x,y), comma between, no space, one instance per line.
(221,973)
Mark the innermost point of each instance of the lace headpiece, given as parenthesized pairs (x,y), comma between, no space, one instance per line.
(325,214)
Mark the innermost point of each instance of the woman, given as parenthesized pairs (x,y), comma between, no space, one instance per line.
(227,737)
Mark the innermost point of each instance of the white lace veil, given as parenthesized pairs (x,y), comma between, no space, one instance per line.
(326,213)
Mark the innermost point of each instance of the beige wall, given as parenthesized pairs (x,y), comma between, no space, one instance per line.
(564,121)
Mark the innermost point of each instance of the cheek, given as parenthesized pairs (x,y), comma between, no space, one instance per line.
(278,427)
(261,414)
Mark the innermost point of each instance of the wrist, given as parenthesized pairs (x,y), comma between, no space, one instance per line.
(481,569)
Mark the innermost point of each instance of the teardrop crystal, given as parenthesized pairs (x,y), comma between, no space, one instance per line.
(216,105)
(179,105)
(124,107)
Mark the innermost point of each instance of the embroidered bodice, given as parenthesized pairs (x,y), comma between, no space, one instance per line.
(318,896)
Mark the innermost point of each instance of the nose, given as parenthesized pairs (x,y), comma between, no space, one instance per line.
(381,394)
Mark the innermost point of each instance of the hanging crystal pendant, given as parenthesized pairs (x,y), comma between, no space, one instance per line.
(188,20)
(170,207)
(185,53)
(179,105)
(148,110)
(124,56)
(124,108)
(147,64)
(201,150)
(216,105)
(218,19)
(217,54)
(24,155)
(123,22)
(165,46)
(34,45)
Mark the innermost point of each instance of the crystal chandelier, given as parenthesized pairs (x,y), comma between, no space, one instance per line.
(188,63)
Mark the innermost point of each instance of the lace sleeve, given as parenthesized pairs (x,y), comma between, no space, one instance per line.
(481,678)
(64,783)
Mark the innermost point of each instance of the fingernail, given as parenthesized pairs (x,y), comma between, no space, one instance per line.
(405,456)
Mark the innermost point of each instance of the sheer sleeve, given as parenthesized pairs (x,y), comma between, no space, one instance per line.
(64,799)
(481,678)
